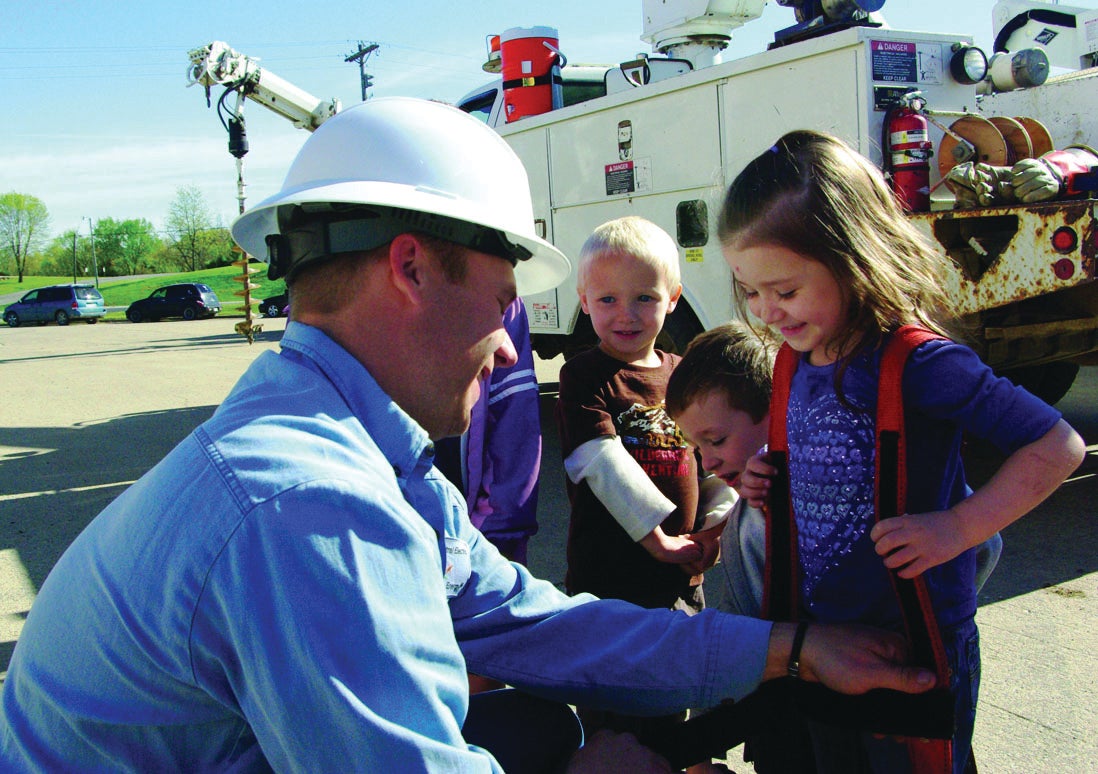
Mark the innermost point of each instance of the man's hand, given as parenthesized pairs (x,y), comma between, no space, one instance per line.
(607,752)
(847,658)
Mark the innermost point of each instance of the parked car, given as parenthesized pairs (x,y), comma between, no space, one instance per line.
(189,300)
(275,306)
(59,303)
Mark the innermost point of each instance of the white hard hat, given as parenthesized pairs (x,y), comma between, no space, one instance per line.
(424,162)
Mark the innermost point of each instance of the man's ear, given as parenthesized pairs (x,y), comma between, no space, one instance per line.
(408,263)
(583,303)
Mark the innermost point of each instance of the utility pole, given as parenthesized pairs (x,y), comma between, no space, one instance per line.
(95,264)
(74,255)
(361,56)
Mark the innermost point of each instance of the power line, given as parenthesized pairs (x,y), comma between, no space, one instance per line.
(361,56)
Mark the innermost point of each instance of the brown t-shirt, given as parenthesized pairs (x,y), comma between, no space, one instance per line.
(601,396)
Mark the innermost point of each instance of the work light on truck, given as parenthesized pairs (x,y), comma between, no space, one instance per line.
(968,64)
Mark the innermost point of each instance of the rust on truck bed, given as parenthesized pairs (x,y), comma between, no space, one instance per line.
(1026,281)
(994,249)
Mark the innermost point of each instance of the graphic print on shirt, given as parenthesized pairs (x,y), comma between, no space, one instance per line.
(653,439)
(459,567)
(831,453)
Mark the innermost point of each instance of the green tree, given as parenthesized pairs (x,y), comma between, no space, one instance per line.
(164,259)
(124,247)
(24,225)
(188,223)
(65,255)
(217,248)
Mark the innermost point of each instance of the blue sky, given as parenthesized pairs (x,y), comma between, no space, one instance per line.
(97,120)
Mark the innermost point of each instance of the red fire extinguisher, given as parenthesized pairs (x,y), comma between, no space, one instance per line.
(907,153)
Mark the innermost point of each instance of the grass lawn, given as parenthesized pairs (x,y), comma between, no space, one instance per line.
(124,292)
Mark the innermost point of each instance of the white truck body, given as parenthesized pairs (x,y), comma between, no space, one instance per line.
(692,133)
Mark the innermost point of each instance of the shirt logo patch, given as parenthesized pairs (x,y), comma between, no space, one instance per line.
(458,567)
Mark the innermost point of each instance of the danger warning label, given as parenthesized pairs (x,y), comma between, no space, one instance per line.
(620,178)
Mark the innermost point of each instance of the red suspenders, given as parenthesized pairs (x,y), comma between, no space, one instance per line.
(782,585)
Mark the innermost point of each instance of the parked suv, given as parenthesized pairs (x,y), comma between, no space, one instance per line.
(59,303)
(189,300)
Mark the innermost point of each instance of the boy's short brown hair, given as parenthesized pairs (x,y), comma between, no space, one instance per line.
(734,359)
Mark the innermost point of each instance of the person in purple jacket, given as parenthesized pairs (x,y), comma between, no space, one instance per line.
(497,461)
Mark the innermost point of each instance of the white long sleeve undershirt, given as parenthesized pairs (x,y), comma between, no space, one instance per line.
(620,484)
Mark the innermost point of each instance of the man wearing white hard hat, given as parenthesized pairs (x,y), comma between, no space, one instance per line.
(295,587)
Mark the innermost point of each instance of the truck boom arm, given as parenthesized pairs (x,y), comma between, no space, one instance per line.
(218,64)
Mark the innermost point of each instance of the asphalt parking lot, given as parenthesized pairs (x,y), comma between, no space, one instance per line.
(86,409)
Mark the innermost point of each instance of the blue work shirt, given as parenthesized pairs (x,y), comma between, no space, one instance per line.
(295,587)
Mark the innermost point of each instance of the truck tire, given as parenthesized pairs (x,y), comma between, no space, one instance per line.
(581,339)
(679,329)
(1049,381)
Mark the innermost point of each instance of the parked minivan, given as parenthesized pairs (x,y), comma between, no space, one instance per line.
(59,303)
